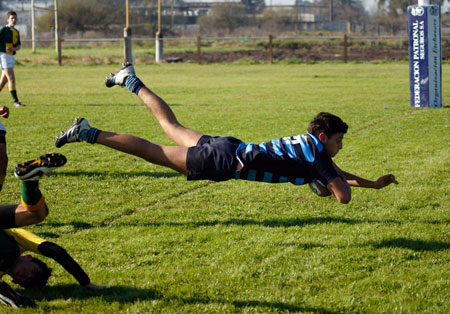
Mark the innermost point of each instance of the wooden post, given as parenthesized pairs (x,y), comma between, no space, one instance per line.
(59,52)
(57,39)
(33,29)
(128,45)
(345,48)
(270,50)
(199,52)
(159,54)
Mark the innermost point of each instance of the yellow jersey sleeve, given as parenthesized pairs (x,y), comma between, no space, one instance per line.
(26,240)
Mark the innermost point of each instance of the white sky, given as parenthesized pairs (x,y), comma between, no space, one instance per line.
(370,5)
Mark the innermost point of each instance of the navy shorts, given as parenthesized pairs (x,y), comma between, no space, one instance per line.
(8,216)
(2,137)
(213,158)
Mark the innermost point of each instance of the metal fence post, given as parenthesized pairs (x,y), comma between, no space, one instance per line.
(128,54)
(159,55)
(345,48)
(199,53)
(270,50)
(58,46)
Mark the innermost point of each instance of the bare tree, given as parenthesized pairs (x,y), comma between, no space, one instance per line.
(349,10)
(224,17)
(83,15)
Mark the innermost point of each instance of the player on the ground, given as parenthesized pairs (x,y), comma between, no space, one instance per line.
(298,159)
(31,272)
(32,210)
(9,44)
(28,271)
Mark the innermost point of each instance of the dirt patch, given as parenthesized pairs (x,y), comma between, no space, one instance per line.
(321,54)
(315,54)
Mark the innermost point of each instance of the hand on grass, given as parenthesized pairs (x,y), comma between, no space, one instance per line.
(91,286)
(4,112)
(385,181)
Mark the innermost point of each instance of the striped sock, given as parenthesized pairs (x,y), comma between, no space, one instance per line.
(90,135)
(134,84)
(32,198)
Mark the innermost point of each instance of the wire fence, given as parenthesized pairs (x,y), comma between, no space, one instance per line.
(264,48)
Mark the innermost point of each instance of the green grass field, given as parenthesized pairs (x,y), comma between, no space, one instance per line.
(167,245)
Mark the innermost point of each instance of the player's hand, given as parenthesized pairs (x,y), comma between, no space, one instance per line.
(91,286)
(9,49)
(4,112)
(385,181)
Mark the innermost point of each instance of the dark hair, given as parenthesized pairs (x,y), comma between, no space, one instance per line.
(327,123)
(11,13)
(38,278)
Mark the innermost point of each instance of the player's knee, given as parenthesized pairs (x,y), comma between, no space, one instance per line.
(40,214)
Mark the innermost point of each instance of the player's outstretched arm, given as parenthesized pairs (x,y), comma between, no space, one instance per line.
(63,258)
(380,183)
(354,180)
(385,181)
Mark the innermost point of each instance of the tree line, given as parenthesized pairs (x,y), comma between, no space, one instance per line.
(223,17)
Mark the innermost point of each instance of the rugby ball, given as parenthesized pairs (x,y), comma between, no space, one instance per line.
(319,188)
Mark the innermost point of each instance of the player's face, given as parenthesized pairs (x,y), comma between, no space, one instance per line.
(333,144)
(12,20)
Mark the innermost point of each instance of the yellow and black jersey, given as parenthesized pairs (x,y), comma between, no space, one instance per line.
(9,37)
(13,242)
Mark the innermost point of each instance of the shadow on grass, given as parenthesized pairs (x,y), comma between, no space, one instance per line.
(115,174)
(120,294)
(415,245)
(280,306)
(111,105)
(125,295)
(273,223)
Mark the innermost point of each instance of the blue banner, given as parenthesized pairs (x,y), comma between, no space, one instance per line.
(425,56)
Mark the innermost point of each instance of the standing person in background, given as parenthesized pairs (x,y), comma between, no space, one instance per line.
(9,44)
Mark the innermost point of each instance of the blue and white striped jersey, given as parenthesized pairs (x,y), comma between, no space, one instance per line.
(297,159)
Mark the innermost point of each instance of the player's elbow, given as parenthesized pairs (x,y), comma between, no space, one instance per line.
(341,190)
(344,199)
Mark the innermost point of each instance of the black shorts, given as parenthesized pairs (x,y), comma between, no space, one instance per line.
(2,137)
(214,158)
(8,216)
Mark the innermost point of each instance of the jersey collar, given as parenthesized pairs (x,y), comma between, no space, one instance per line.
(316,142)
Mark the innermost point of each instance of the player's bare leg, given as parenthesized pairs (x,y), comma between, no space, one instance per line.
(166,118)
(9,73)
(25,217)
(33,208)
(158,107)
(3,80)
(173,157)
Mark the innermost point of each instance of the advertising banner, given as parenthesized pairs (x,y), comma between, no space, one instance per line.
(425,55)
